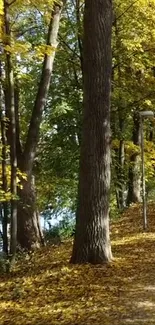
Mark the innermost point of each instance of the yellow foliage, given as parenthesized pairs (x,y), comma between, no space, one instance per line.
(10,43)
(1,17)
(1,7)
(17,48)
(44,49)
(149,159)
(44,289)
(129,147)
(6,196)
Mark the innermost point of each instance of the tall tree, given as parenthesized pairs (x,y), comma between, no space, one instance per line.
(28,228)
(134,186)
(10,113)
(132,91)
(4,170)
(92,242)
(58,155)
(28,223)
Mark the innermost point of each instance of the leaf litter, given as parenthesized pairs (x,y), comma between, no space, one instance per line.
(46,290)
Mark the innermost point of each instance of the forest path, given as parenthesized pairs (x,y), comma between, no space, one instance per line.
(136,274)
(45,289)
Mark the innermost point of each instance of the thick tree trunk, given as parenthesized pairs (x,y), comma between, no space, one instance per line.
(92,242)
(29,234)
(134,175)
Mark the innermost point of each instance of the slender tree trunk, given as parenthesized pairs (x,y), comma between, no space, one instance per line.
(134,175)
(29,232)
(79,32)
(4,206)
(4,187)
(13,159)
(4,179)
(121,183)
(10,108)
(151,132)
(92,242)
(120,175)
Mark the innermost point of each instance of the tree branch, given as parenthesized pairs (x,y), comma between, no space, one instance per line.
(17,99)
(11,3)
(33,132)
(80,42)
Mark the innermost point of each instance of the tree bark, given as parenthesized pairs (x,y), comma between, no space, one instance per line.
(29,232)
(10,109)
(4,205)
(79,31)
(92,241)
(134,175)
(40,102)
(121,202)
(4,178)
(120,172)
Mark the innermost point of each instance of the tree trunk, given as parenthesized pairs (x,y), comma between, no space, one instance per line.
(79,31)
(92,241)
(4,205)
(28,234)
(134,175)
(120,176)
(10,110)
(121,109)
(4,184)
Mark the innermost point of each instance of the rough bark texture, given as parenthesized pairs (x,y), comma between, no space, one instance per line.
(134,184)
(92,242)
(29,233)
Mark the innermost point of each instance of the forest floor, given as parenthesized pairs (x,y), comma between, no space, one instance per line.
(44,289)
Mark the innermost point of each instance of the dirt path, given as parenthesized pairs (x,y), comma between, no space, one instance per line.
(136,250)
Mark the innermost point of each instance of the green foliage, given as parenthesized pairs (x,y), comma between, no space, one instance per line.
(56,165)
(63,230)
(58,155)
(115,212)
(57,162)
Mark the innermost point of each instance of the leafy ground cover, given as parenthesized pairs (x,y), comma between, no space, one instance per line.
(44,289)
